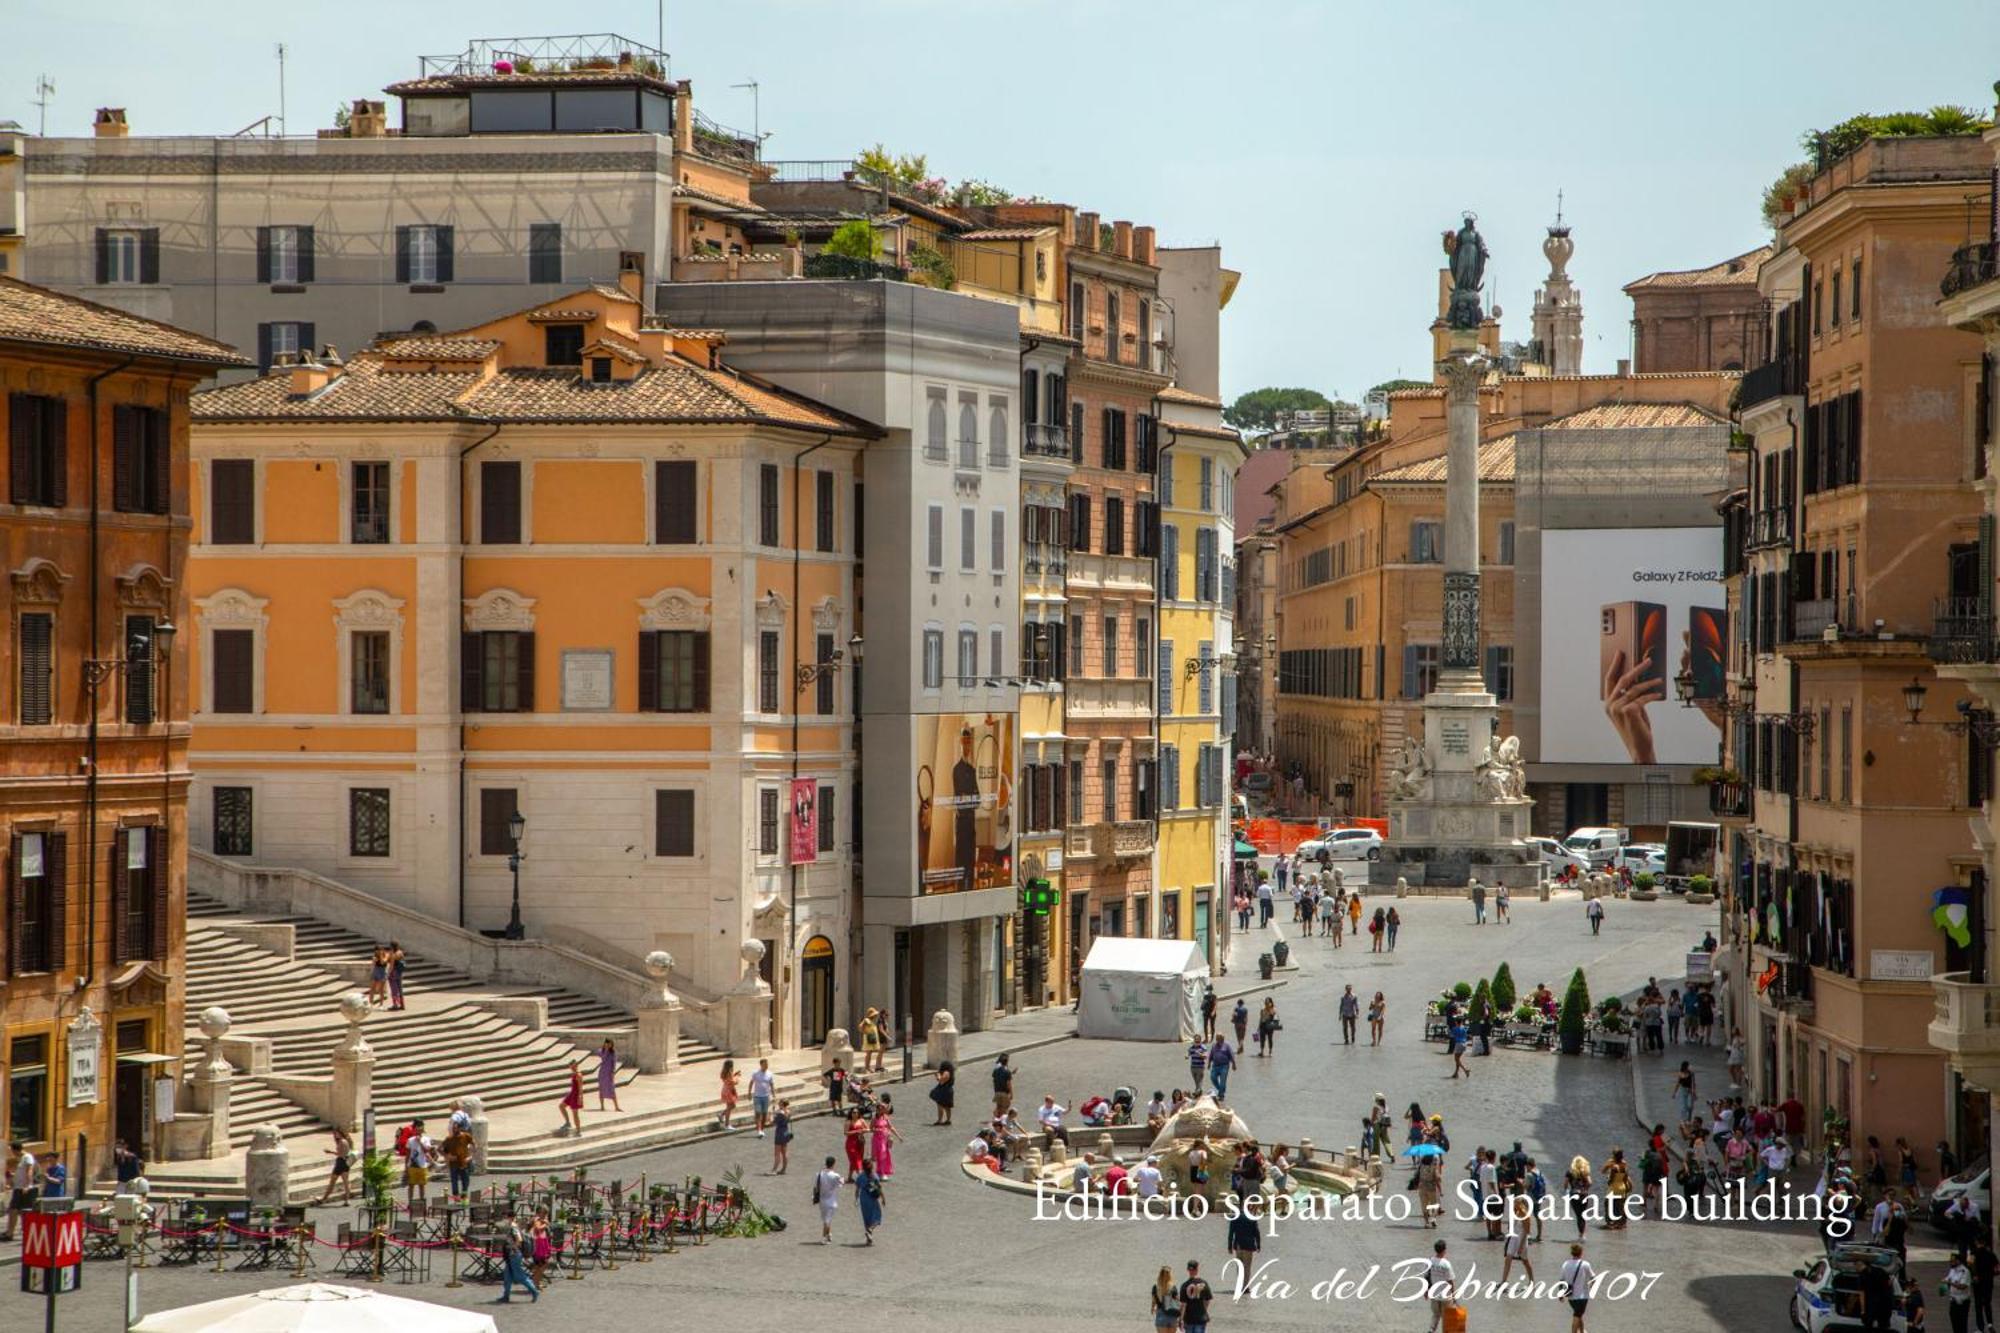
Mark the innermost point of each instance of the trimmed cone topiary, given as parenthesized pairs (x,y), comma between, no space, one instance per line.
(1482,1002)
(1503,989)
(1575,1008)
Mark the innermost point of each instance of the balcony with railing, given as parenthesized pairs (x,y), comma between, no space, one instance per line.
(1774,379)
(1126,840)
(1811,620)
(968,454)
(1769,527)
(1043,440)
(1966,1024)
(1961,631)
(1729,799)
(1971,266)
(1080,841)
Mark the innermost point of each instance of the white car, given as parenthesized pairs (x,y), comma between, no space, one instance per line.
(1597,846)
(1343,844)
(1555,856)
(1976,1180)
(1827,1294)
(1644,858)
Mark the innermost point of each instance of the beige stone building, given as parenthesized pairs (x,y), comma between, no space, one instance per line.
(1698,319)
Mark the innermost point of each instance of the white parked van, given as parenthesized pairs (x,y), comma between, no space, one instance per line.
(1597,847)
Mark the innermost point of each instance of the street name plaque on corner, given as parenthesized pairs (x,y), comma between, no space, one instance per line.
(1454,736)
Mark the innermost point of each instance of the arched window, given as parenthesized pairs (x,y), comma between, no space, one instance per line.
(934,444)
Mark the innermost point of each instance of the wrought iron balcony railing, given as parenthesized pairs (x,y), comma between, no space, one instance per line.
(1773,379)
(1729,800)
(1042,440)
(1961,631)
(1971,266)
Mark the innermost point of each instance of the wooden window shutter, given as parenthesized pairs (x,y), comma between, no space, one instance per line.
(444,266)
(263,254)
(1410,690)
(20,448)
(125,446)
(157,447)
(103,256)
(55,865)
(471,672)
(12,936)
(649,671)
(701,672)
(121,895)
(160,883)
(673,823)
(500,503)
(234,681)
(149,255)
(525,671)
(402,254)
(57,426)
(305,249)
(674,500)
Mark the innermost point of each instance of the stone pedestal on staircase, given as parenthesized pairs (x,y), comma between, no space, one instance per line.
(208,1089)
(353,1067)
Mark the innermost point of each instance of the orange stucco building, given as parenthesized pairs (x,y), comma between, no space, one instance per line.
(93,719)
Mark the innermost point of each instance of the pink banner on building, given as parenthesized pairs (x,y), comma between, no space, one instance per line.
(805,821)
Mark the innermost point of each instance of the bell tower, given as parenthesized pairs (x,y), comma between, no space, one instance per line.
(1557,325)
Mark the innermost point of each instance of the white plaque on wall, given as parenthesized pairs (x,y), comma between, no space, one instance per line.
(586,680)
(1900,964)
(84,1040)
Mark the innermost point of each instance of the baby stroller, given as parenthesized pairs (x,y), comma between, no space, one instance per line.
(1122,1101)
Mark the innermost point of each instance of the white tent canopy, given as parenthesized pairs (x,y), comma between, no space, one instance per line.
(1141,990)
(316,1307)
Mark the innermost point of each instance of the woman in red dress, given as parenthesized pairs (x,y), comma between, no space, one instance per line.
(572,1102)
(857,1142)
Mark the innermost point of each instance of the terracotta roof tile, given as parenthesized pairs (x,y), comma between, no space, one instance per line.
(560,315)
(1496,464)
(1634,416)
(30,314)
(439,349)
(1208,432)
(1174,393)
(1738,270)
(362,392)
(1004,233)
(618,347)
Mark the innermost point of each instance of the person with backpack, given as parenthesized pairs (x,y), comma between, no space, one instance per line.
(513,1271)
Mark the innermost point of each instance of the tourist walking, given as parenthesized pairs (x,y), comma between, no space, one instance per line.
(572,1102)
(342,1153)
(1577,1279)
(1245,1239)
(1208,1012)
(1735,1056)
(541,1246)
(396,959)
(1392,923)
(1958,1293)
(1576,1189)
(1003,1086)
(417,1150)
(944,1091)
(871,1039)
(1377,1009)
(1674,1017)
(1439,1280)
(514,1271)
(761,1085)
(868,1197)
(1195,1296)
(1264,896)
(881,1134)
(1165,1299)
(1329,918)
(781,1137)
(1478,903)
(1221,1059)
(727,1113)
(1354,912)
(1684,1094)
(1239,1019)
(1350,1014)
(1595,911)
(1268,1027)
(1514,1248)
(826,1197)
(607,1076)
(1456,1040)
(1500,900)
(1197,1057)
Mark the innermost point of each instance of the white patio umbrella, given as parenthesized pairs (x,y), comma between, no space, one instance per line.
(316,1307)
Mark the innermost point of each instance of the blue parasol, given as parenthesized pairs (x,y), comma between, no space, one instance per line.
(1425,1150)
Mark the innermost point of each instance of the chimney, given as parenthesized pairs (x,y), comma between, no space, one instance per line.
(110,123)
(632,275)
(367,119)
(1086,231)
(1624,367)
(1144,247)
(1121,239)
(683,117)
(309,376)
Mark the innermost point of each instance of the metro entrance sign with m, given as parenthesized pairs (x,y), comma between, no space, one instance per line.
(51,1240)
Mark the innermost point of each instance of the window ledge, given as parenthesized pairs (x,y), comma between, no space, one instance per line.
(426,288)
(287,288)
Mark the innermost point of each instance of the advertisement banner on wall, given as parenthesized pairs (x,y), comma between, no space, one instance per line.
(965,801)
(1624,613)
(805,821)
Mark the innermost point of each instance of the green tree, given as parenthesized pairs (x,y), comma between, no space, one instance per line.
(1258,409)
(854,239)
(1503,989)
(902,172)
(1482,1002)
(1575,1010)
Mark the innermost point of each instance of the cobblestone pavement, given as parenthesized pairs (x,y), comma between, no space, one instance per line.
(960,1255)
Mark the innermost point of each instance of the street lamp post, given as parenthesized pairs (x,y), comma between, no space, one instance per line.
(516,826)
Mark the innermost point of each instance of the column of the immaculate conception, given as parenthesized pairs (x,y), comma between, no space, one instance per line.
(1458,804)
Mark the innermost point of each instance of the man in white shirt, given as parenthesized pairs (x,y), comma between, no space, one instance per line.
(1051,1117)
(1146,1179)
(826,1197)
(1489,1190)
(760,1095)
(1777,1159)
(1878,1221)
(1439,1272)
(21,1188)
(1577,1275)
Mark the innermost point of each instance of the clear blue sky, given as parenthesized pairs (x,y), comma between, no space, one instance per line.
(1325,144)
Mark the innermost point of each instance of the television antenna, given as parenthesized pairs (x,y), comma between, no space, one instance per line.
(43,87)
(756,112)
(281,90)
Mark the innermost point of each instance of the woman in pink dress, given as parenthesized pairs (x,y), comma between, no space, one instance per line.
(572,1102)
(881,1134)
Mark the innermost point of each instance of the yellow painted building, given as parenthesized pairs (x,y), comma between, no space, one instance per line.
(564,563)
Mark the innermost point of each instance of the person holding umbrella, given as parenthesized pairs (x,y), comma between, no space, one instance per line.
(1430,1180)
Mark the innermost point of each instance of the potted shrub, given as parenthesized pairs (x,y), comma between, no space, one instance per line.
(1701,889)
(1503,988)
(1644,887)
(1462,991)
(1575,1009)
